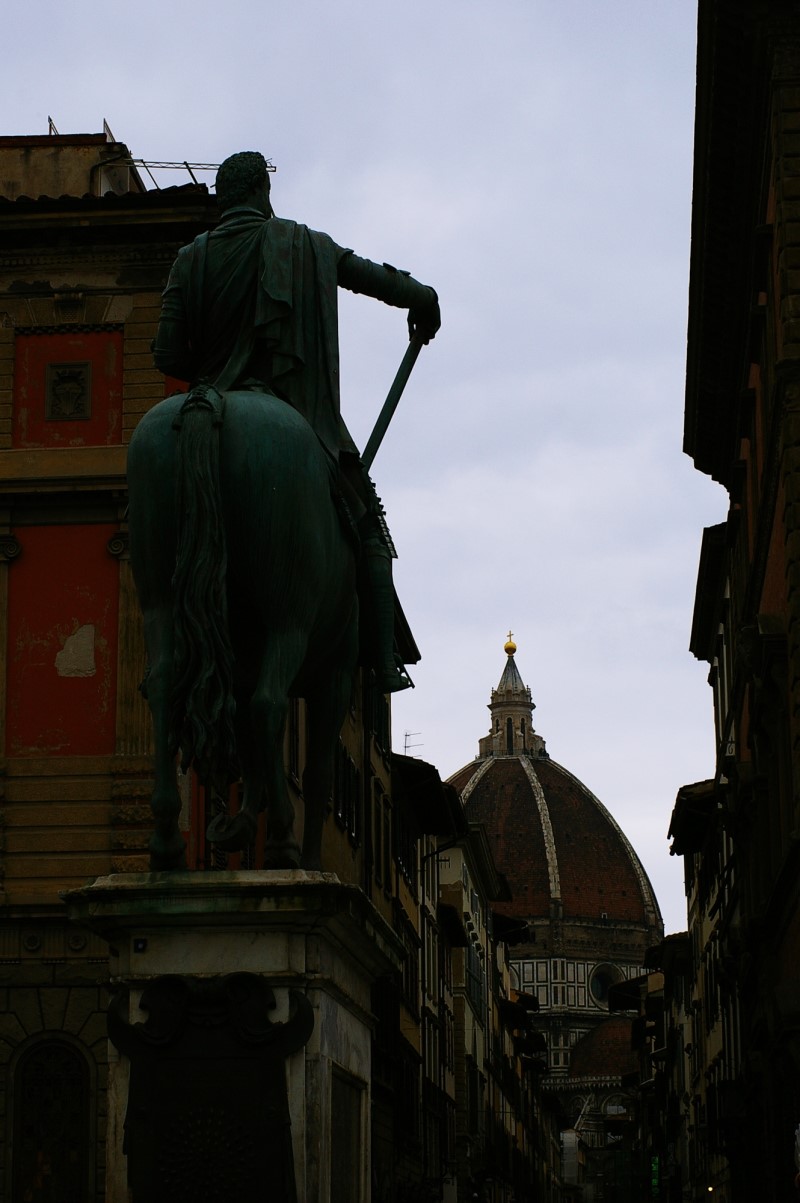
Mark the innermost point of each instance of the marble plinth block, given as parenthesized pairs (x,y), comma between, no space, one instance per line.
(299,932)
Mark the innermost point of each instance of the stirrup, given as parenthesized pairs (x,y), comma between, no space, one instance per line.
(395,679)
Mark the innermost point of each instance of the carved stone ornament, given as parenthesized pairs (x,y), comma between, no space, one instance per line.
(117,545)
(10,547)
(68,394)
(208,1109)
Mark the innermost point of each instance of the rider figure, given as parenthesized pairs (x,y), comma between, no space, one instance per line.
(252,304)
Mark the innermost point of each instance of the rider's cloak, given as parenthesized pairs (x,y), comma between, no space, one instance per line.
(254,301)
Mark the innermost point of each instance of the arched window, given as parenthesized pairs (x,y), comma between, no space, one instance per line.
(522,732)
(509,737)
(50,1124)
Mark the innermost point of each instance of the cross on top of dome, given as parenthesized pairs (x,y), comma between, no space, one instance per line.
(511,682)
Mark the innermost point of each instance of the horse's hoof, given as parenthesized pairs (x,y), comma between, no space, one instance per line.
(283,854)
(167,855)
(232,834)
(280,861)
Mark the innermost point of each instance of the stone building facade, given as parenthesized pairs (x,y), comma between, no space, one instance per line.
(738,831)
(84,251)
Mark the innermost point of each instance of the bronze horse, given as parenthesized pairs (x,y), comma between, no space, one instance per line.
(247,583)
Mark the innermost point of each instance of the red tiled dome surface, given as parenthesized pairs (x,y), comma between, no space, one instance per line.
(605,1052)
(503,801)
(591,865)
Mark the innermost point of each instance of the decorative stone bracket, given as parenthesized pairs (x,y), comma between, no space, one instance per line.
(10,547)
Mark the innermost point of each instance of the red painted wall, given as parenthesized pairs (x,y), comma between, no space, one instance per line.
(63,582)
(32,354)
(173,385)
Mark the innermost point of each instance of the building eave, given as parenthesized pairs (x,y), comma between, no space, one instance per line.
(731,95)
(708,592)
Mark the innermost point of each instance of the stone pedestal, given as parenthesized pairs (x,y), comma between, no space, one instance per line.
(297,931)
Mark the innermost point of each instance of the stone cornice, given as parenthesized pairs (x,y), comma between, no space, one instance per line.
(94,257)
(293,902)
(49,468)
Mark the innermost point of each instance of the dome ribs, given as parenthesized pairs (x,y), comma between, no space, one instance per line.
(597,875)
(555,841)
(504,803)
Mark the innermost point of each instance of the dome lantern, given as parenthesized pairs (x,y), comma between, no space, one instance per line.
(511,708)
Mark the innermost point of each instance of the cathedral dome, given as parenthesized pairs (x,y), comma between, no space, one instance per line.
(562,852)
(582,912)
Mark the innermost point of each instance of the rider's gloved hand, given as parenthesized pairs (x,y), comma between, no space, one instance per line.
(425,320)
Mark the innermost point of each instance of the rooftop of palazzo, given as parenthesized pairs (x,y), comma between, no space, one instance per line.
(36,168)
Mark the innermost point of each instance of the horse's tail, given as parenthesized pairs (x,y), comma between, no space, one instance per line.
(203,706)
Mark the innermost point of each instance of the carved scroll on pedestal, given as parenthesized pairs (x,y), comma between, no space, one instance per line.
(208,1109)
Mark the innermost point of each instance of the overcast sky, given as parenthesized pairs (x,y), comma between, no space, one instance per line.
(531,159)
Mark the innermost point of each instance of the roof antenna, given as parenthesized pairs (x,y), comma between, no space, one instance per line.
(407,746)
(51,126)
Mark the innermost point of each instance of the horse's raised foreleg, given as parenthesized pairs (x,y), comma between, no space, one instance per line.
(167,845)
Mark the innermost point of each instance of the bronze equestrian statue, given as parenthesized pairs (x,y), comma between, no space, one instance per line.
(254,527)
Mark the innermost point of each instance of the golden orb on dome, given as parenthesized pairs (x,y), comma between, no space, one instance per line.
(510,646)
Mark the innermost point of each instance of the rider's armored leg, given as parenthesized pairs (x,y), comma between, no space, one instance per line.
(377,553)
(389,670)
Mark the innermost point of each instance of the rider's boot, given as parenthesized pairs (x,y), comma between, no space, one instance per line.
(389,670)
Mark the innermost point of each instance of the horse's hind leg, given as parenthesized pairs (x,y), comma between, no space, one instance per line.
(265,778)
(327,709)
(270,709)
(231,833)
(167,845)
(323,733)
